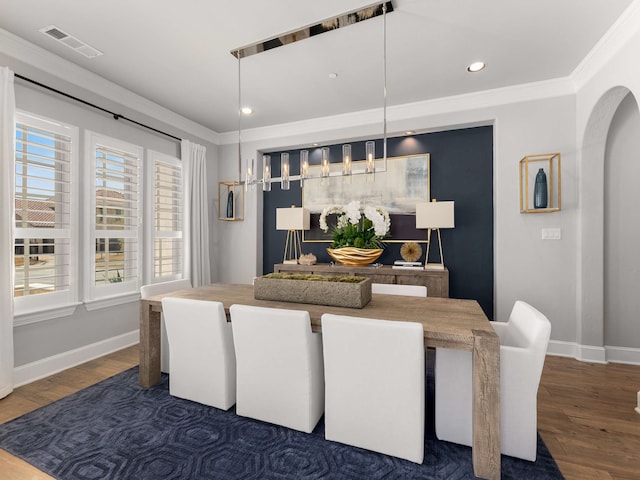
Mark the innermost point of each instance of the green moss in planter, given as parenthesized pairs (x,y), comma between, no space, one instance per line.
(315,278)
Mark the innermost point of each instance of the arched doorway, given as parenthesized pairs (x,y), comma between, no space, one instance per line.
(590,328)
(622,230)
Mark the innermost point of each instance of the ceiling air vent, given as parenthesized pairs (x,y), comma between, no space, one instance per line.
(70,41)
(55,33)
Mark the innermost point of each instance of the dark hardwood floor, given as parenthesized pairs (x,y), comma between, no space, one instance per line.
(587,419)
(585,414)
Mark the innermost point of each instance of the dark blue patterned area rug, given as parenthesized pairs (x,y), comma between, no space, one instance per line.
(118,430)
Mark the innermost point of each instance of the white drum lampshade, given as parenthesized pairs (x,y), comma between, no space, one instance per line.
(434,216)
(292,220)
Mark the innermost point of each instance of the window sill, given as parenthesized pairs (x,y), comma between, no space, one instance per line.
(111,301)
(41,315)
(26,318)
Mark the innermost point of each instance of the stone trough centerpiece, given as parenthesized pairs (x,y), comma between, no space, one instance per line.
(333,290)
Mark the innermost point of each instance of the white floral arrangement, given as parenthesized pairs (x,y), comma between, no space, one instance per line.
(357,226)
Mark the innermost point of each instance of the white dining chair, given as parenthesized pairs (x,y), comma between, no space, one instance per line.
(151,290)
(523,345)
(279,366)
(397,289)
(374,384)
(202,358)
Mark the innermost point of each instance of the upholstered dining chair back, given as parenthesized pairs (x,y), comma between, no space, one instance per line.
(523,346)
(202,357)
(151,290)
(396,289)
(279,366)
(374,381)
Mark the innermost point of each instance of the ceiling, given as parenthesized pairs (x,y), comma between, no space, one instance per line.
(176,54)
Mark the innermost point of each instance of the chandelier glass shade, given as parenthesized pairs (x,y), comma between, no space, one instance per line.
(346,159)
(266,173)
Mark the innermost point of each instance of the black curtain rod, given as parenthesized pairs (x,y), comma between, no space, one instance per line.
(116,116)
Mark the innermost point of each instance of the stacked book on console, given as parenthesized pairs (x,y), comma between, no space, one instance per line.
(401,264)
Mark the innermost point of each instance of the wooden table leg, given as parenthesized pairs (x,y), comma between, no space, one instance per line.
(486,405)
(149,345)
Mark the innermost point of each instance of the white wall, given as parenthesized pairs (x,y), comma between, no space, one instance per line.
(622,227)
(240,243)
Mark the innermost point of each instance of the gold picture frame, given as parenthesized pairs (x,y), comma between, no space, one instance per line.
(237,209)
(550,164)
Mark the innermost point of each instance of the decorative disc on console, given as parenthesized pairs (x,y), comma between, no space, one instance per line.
(410,251)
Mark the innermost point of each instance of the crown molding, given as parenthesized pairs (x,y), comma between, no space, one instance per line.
(367,122)
(624,28)
(496,97)
(45,61)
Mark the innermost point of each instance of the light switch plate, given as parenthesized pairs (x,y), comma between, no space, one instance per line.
(551,234)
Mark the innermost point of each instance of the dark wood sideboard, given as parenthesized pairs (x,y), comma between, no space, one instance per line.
(436,281)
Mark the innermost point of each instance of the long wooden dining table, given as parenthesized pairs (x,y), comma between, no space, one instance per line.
(447,322)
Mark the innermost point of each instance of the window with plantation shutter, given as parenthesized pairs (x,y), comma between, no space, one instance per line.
(45,214)
(164,218)
(115,202)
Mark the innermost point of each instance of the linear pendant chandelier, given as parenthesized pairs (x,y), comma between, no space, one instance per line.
(370,168)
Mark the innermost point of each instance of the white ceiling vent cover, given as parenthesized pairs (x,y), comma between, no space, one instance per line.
(70,41)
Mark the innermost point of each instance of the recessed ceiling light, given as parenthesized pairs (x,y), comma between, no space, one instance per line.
(315,144)
(333,75)
(476,67)
(246,110)
(409,132)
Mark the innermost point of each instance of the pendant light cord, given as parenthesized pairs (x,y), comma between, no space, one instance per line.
(239,121)
(384,75)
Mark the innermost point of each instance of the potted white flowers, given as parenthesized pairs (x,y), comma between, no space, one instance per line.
(358,234)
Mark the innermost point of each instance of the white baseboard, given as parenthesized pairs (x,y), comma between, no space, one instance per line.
(623,355)
(48,366)
(587,353)
(562,349)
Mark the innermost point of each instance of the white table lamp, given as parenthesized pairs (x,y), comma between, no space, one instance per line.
(292,220)
(434,216)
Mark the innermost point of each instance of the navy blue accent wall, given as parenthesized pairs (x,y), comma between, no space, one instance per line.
(461,170)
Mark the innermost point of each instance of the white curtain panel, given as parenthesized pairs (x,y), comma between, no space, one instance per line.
(196,228)
(7,146)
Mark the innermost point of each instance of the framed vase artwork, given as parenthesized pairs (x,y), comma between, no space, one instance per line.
(230,201)
(540,183)
(405,182)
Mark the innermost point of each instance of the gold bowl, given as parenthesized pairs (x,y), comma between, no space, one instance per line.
(355,256)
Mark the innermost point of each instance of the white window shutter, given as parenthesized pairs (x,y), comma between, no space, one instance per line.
(166,218)
(115,203)
(45,214)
